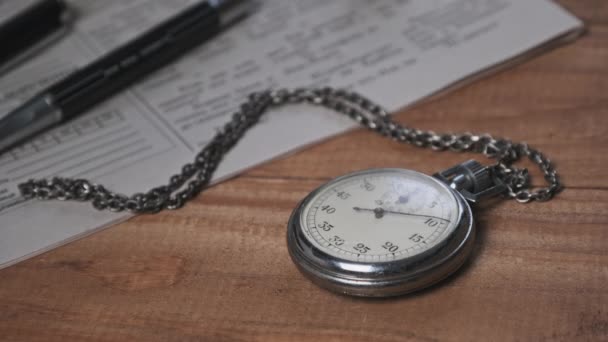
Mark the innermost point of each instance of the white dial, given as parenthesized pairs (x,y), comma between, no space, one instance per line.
(380,215)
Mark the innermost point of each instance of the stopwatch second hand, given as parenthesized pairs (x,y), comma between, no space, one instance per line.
(379,212)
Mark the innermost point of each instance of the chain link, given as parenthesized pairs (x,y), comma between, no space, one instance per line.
(196,175)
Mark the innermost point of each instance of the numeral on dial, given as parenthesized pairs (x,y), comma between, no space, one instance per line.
(416,238)
(325,226)
(431,222)
(336,240)
(361,248)
(343,195)
(328,209)
(390,246)
(367,185)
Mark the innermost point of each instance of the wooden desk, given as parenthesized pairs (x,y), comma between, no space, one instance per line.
(218,270)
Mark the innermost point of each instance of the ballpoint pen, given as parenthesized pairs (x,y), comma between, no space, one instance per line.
(120,68)
(31,29)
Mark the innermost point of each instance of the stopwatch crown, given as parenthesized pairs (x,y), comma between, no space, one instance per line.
(472,180)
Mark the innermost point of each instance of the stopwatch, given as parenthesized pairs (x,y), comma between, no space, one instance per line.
(385,232)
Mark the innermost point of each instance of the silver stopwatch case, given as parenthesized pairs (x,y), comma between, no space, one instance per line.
(372,278)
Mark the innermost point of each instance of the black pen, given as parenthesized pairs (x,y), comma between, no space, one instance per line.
(120,68)
(31,29)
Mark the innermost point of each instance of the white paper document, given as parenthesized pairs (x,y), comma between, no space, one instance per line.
(395,52)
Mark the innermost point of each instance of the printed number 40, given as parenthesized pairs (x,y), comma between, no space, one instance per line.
(328,209)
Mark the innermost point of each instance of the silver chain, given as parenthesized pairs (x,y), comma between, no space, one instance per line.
(196,175)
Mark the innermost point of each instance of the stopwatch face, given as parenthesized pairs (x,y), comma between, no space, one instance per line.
(378,216)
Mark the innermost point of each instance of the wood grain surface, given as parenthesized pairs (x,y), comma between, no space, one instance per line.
(218,270)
